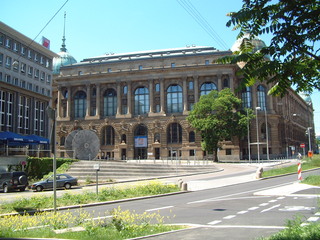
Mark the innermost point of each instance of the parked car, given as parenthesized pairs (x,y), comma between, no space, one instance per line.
(13,181)
(63,181)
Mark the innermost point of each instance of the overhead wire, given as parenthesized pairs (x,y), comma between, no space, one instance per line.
(204,24)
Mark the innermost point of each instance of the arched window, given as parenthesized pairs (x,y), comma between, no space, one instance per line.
(124,138)
(141,101)
(108,136)
(157,137)
(225,83)
(174,99)
(80,105)
(207,87)
(264,131)
(261,95)
(174,133)
(110,102)
(246,97)
(192,136)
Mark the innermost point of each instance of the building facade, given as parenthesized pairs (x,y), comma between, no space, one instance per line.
(137,104)
(25,83)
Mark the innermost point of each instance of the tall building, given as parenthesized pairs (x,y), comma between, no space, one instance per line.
(137,103)
(25,84)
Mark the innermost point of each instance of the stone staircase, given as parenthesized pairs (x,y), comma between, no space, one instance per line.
(125,171)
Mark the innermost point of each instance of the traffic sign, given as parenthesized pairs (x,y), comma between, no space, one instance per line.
(302,145)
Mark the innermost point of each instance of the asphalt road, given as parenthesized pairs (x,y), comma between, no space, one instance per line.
(230,212)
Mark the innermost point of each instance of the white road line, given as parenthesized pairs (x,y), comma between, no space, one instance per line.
(268,209)
(272,201)
(253,208)
(226,199)
(313,219)
(242,212)
(234,194)
(156,209)
(280,198)
(248,226)
(264,204)
(214,222)
(317,214)
(229,217)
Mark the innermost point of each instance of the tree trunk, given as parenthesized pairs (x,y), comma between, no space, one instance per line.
(215,154)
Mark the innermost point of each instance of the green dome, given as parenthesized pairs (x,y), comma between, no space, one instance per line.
(257,43)
(64,59)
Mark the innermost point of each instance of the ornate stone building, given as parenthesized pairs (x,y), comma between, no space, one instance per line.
(137,104)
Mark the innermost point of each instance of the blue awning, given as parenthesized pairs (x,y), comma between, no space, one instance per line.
(12,137)
(38,140)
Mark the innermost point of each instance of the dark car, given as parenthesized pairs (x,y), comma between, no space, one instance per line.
(13,181)
(63,181)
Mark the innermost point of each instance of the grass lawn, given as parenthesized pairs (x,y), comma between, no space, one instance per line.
(306,165)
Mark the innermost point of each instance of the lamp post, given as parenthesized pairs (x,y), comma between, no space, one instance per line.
(267,133)
(258,108)
(52,115)
(249,151)
(309,128)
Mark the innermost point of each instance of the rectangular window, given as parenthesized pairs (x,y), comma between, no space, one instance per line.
(30,71)
(140,67)
(207,62)
(20,113)
(23,84)
(173,65)
(109,70)
(157,87)
(43,75)
(36,116)
(8,62)
(0,76)
(1,39)
(36,73)
(15,65)
(8,78)
(16,81)
(1,59)
(47,63)
(36,57)
(228,151)
(48,79)
(29,54)
(30,86)
(15,47)
(41,60)
(191,85)
(9,109)
(23,67)
(26,113)
(125,89)
(2,107)
(191,152)
(23,51)
(8,43)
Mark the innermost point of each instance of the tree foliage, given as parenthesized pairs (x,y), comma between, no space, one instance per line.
(293,53)
(218,116)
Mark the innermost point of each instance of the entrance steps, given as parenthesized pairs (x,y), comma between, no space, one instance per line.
(125,171)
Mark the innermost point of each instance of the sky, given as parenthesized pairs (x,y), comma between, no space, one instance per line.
(96,27)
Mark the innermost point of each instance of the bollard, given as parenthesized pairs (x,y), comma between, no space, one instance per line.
(184,187)
(180,183)
(259,172)
(299,171)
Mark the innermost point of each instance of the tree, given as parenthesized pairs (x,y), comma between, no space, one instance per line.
(293,52)
(218,116)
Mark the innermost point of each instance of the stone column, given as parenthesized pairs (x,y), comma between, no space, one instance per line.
(59,103)
(118,99)
(98,99)
(129,105)
(196,88)
(88,100)
(162,102)
(185,95)
(68,103)
(151,97)
(219,82)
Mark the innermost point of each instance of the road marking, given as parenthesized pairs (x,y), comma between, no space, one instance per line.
(253,208)
(229,217)
(242,212)
(156,209)
(248,226)
(268,209)
(280,198)
(225,199)
(313,219)
(272,201)
(214,222)
(296,208)
(317,214)
(264,204)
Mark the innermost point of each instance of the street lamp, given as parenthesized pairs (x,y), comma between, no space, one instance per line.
(309,128)
(248,136)
(52,115)
(257,108)
(267,132)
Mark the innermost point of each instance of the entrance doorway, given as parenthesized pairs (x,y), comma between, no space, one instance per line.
(141,142)
(123,154)
(157,153)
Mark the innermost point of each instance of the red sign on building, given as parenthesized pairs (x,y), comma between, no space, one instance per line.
(302,145)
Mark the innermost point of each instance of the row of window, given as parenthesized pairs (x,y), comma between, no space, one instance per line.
(23,84)
(24,51)
(174,100)
(25,69)
(28,114)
